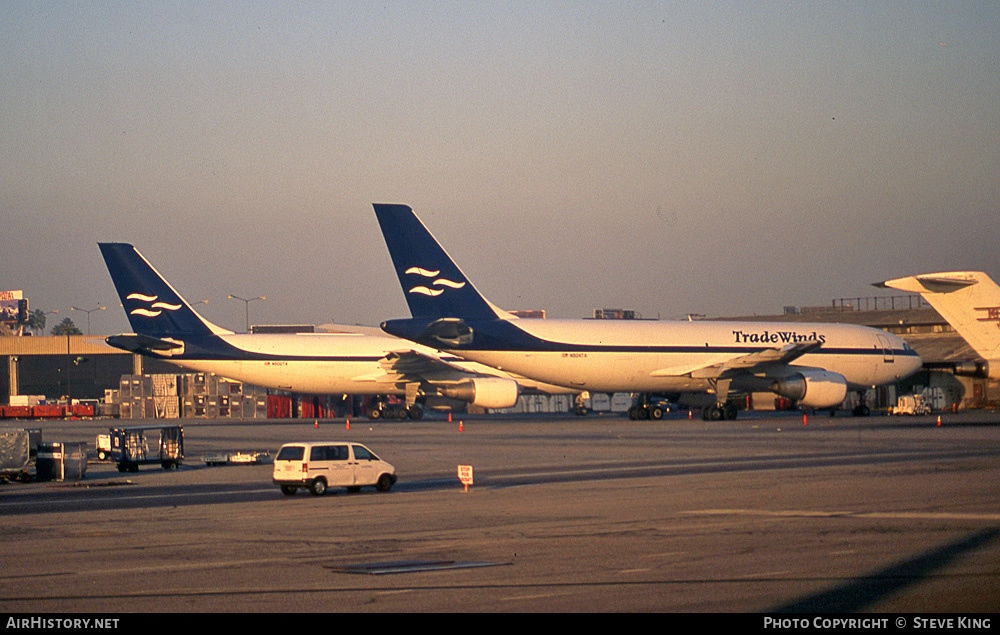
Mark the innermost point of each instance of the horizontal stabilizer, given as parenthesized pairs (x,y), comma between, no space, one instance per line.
(933,283)
(143,343)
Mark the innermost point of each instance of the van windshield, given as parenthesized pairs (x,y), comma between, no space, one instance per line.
(291,453)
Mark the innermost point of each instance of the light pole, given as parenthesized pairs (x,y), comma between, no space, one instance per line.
(247,303)
(88,312)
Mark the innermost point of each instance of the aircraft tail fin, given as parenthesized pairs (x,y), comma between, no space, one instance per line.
(968,300)
(153,307)
(433,284)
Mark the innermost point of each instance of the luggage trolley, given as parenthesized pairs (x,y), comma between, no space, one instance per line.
(131,447)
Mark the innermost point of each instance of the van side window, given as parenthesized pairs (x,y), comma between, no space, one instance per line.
(328,453)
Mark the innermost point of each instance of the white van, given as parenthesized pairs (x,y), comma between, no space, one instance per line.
(320,465)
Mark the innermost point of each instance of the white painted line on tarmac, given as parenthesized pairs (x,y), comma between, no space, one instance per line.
(794,513)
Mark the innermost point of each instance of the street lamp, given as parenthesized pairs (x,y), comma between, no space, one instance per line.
(247,303)
(88,312)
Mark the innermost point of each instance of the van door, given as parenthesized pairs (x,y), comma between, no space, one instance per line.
(364,466)
(331,462)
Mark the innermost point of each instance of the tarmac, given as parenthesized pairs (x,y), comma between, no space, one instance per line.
(768,514)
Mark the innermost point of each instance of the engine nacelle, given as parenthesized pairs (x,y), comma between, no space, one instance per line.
(813,388)
(989,369)
(486,392)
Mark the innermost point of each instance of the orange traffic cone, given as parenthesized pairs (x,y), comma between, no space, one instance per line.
(348,423)
(461,427)
(316,424)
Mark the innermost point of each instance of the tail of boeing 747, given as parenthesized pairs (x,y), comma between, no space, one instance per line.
(969,301)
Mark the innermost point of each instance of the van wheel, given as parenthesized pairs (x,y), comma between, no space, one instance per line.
(384,483)
(318,487)
(289,490)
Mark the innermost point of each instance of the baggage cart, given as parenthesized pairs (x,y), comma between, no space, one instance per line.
(146,445)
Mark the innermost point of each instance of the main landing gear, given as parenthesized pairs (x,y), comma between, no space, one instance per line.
(717,412)
(380,409)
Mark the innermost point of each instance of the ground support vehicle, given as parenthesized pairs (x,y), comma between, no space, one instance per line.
(103,445)
(650,407)
(318,466)
(130,447)
(911,405)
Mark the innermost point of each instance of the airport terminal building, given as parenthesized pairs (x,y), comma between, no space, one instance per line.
(84,367)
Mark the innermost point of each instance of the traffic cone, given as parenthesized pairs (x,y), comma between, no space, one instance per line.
(449,417)
(316,424)
(939,420)
(348,423)
(461,427)
(805,420)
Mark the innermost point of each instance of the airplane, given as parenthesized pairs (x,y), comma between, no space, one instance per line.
(700,363)
(970,302)
(357,361)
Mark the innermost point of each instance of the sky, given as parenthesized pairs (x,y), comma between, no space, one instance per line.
(718,158)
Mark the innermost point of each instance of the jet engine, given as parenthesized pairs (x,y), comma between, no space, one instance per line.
(813,388)
(982,370)
(486,392)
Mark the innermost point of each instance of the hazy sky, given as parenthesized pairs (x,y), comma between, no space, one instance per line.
(724,158)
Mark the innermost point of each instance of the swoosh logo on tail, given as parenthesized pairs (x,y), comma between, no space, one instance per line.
(152,299)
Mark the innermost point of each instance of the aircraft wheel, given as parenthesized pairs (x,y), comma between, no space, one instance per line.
(416,412)
(729,412)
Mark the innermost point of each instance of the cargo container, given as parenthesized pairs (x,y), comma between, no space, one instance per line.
(134,446)
(59,461)
(18,452)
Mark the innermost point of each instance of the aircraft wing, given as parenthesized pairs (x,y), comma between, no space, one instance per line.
(406,367)
(409,366)
(746,363)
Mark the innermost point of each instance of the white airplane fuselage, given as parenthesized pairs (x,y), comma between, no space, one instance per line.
(654,356)
(314,363)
